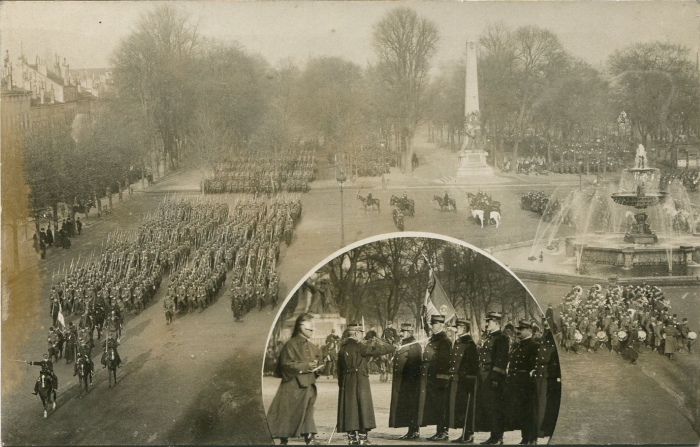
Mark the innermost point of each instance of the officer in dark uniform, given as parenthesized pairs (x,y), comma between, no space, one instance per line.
(79,225)
(332,337)
(521,391)
(390,335)
(493,361)
(464,368)
(435,380)
(405,384)
(46,368)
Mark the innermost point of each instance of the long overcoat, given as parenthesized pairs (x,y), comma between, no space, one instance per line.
(291,413)
(355,407)
(548,384)
(490,397)
(405,385)
(464,368)
(434,381)
(520,387)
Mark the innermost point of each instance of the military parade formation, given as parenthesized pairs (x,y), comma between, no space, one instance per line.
(509,380)
(622,320)
(196,243)
(285,172)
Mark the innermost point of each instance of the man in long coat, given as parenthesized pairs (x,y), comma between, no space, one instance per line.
(291,413)
(405,385)
(493,361)
(355,407)
(521,393)
(464,368)
(548,383)
(435,380)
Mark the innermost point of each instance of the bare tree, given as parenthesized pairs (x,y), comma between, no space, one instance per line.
(153,67)
(405,44)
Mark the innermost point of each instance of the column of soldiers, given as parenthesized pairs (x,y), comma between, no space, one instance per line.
(623,320)
(495,386)
(290,172)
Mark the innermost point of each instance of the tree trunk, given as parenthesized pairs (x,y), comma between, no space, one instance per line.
(109,197)
(119,188)
(519,129)
(55,216)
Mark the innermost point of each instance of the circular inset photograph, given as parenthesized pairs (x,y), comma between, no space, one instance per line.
(411,338)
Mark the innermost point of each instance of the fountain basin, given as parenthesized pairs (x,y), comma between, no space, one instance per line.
(609,249)
(639,201)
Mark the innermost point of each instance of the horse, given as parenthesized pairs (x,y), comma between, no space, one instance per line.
(330,358)
(47,393)
(493,215)
(111,362)
(369,203)
(405,205)
(397,215)
(450,204)
(83,369)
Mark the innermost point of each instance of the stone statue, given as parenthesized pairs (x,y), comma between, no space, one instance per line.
(641,157)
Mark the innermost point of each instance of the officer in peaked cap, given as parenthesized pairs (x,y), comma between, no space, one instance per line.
(390,333)
(464,368)
(405,385)
(435,380)
(520,385)
(493,361)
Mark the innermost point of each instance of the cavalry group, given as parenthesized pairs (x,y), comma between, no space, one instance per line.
(288,172)
(496,385)
(622,320)
(482,208)
(197,243)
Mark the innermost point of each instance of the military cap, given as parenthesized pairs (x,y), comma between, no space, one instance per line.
(461,322)
(437,319)
(494,316)
(355,327)
(524,324)
(406,327)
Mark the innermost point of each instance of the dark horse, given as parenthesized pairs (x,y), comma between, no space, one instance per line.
(369,203)
(407,206)
(83,368)
(111,361)
(47,393)
(450,203)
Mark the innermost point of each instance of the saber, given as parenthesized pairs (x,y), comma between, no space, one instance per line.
(414,342)
(332,433)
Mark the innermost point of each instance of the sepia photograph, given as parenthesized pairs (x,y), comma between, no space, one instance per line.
(408,336)
(188,187)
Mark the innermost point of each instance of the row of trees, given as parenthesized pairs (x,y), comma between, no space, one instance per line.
(388,278)
(529,85)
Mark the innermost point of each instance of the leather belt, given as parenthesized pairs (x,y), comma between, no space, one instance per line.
(442,376)
(352,370)
(457,378)
(522,371)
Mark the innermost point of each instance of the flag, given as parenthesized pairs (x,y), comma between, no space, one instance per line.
(60,316)
(436,301)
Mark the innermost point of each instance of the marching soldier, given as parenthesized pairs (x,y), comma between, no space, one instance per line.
(405,385)
(493,361)
(520,386)
(435,369)
(464,368)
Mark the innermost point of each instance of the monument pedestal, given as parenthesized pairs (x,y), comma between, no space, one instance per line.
(473,163)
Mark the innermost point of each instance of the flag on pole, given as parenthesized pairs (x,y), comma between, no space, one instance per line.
(436,301)
(60,316)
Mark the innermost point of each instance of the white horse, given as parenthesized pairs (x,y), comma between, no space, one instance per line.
(495,215)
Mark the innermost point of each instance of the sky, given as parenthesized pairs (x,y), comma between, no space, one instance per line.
(86,33)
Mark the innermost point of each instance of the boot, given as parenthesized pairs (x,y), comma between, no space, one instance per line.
(352,438)
(363,439)
(310,439)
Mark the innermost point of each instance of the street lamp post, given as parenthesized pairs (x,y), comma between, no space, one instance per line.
(341,178)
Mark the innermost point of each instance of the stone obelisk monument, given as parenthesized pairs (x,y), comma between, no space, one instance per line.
(472,157)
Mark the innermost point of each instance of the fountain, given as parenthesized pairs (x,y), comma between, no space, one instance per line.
(634,225)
